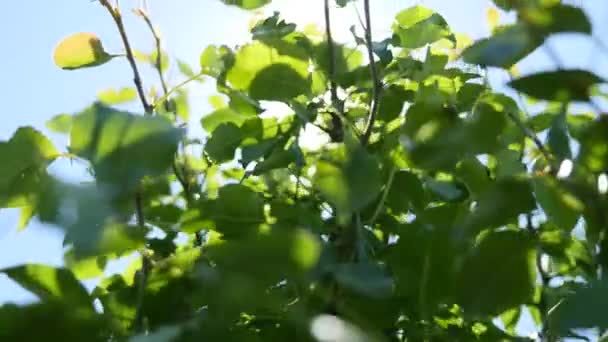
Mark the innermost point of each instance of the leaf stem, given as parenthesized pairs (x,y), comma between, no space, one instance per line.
(376,87)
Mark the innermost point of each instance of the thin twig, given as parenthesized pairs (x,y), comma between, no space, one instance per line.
(387,189)
(145,268)
(115,13)
(165,98)
(176,88)
(336,122)
(376,87)
(158,64)
(528,133)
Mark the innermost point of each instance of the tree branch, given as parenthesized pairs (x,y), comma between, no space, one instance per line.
(376,87)
(139,213)
(115,13)
(336,131)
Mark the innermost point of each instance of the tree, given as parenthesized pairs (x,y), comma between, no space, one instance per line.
(434,209)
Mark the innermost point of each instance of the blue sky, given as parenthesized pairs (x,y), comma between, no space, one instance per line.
(33,89)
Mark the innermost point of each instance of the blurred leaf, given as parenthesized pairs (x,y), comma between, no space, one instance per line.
(117,96)
(61,123)
(50,321)
(23,162)
(563,208)
(247,4)
(85,268)
(504,49)
(365,278)
(51,284)
(118,145)
(498,275)
(225,139)
(237,210)
(558,85)
(268,257)
(583,309)
(407,191)
(501,203)
(349,184)
(594,146)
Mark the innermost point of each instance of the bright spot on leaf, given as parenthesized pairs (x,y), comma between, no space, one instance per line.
(493,17)
(565,169)
(305,250)
(80,50)
(326,328)
(602,184)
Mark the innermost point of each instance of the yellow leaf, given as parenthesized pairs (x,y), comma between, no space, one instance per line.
(80,50)
(492,17)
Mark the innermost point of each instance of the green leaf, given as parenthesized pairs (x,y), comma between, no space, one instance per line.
(224,141)
(349,184)
(347,62)
(365,278)
(61,123)
(447,191)
(417,26)
(220,116)
(498,275)
(393,100)
(85,268)
(185,69)
(407,191)
(558,18)
(23,162)
(562,208)
(594,146)
(211,61)
(278,159)
(272,28)
(584,309)
(501,204)
(237,210)
(113,96)
(50,284)
(93,226)
(119,145)
(559,139)
(50,321)
(247,4)
(164,334)
(267,75)
(474,174)
(504,49)
(560,85)
(268,257)
(80,50)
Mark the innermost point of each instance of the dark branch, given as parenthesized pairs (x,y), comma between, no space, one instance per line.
(336,131)
(115,13)
(376,87)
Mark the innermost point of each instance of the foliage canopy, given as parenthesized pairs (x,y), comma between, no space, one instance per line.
(437,210)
